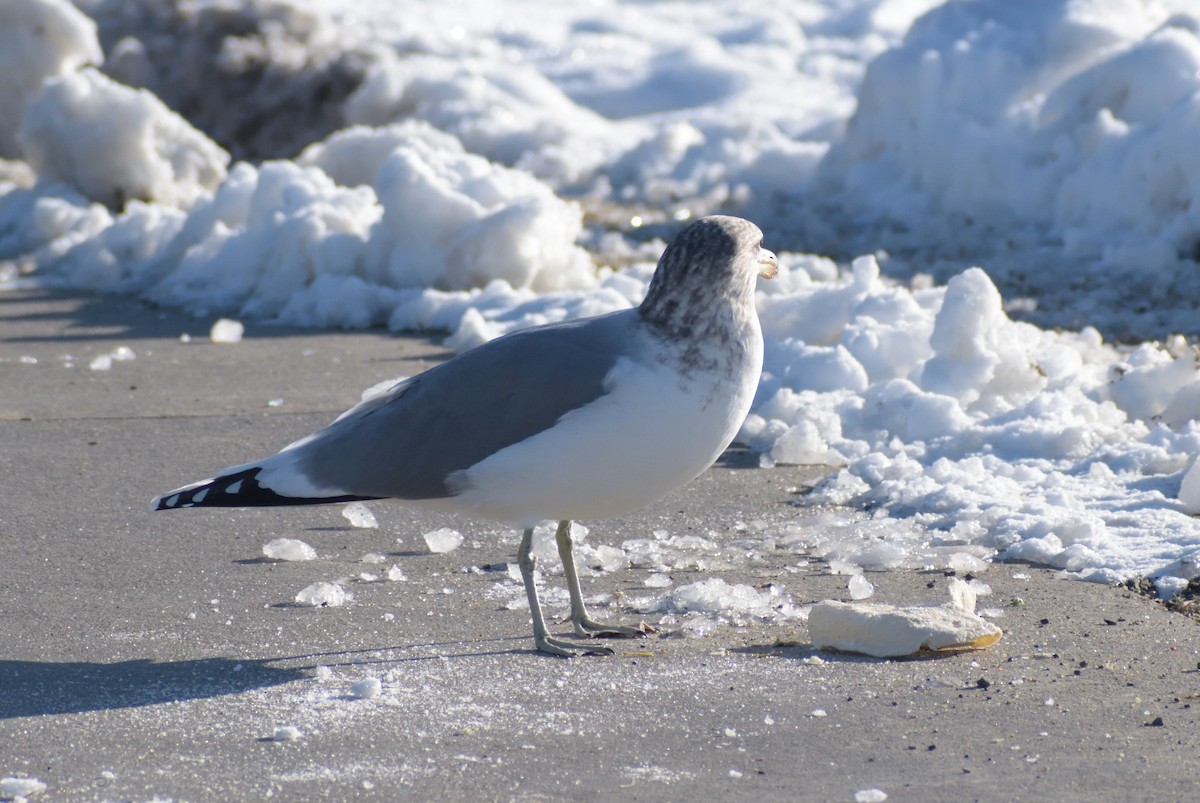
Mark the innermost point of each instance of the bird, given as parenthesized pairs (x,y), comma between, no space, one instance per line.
(583,419)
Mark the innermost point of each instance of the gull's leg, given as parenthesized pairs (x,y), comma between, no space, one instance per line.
(541,637)
(584,625)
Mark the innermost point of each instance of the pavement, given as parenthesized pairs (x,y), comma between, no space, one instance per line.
(152,656)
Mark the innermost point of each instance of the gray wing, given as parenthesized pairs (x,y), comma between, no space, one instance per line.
(406,443)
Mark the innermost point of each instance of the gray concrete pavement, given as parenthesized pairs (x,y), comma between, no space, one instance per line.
(148,656)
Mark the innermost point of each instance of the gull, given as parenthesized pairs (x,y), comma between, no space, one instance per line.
(584,419)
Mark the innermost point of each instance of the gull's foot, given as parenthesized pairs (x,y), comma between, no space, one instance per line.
(590,628)
(567,649)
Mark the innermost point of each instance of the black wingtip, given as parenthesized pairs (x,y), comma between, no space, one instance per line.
(239,489)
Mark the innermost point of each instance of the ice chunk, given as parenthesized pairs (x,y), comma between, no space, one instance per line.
(886,631)
(367,689)
(373,557)
(870,796)
(395,574)
(860,587)
(287,733)
(443,540)
(1189,490)
(226,331)
(14,788)
(657,580)
(717,596)
(101,363)
(322,595)
(123,354)
(607,558)
(359,515)
(965,562)
(288,549)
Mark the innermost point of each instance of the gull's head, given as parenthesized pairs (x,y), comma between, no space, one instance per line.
(713,258)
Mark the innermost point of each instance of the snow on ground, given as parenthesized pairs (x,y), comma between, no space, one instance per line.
(480,167)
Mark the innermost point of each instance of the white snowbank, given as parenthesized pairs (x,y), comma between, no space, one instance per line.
(1049,447)
(115,144)
(39,39)
(1007,126)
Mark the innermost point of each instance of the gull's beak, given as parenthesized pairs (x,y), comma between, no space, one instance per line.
(768,265)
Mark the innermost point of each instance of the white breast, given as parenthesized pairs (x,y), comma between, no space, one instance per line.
(654,432)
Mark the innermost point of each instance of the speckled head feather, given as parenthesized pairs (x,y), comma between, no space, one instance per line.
(702,293)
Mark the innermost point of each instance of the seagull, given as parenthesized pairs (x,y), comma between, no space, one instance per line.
(584,419)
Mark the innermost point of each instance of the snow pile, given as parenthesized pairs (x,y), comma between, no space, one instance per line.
(964,430)
(115,144)
(1032,123)
(39,39)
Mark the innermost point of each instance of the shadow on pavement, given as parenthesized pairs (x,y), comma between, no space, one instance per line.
(33,688)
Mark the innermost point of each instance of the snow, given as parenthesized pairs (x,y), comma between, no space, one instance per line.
(322,595)
(227,331)
(115,144)
(443,540)
(39,39)
(20,788)
(288,549)
(287,733)
(860,587)
(887,631)
(360,516)
(367,689)
(985,213)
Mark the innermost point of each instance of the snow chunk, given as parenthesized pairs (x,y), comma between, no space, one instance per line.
(226,330)
(290,549)
(717,596)
(860,587)
(443,540)
(16,788)
(367,689)
(115,144)
(887,631)
(322,595)
(360,516)
(287,733)
(1189,489)
(39,39)
(870,796)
